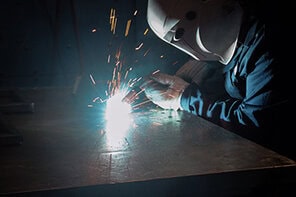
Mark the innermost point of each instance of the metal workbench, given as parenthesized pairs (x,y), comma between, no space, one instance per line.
(66,150)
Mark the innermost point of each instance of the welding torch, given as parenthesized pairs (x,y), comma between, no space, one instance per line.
(135,92)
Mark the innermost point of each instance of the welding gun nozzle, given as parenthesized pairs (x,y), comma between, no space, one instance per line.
(132,95)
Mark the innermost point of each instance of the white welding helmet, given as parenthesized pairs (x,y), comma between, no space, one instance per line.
(205,29)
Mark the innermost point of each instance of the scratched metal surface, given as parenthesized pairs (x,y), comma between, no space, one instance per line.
(67,146)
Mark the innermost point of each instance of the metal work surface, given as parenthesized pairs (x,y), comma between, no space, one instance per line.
(66,146)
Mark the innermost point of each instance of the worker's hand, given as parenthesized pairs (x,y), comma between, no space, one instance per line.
(165,90)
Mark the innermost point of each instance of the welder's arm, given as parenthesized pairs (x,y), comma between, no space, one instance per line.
(261,106)
(165,90)
(220,111)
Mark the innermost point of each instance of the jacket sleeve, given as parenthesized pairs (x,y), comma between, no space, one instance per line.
(258,107)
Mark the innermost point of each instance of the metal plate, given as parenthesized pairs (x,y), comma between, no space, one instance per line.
(66,146)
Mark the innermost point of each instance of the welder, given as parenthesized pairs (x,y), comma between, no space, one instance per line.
(238,71)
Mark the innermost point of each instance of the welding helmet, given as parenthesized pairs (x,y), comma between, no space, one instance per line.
(205,29)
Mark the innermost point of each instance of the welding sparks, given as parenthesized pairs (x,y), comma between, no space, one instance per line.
(146,31)
(146,52)
(118,113)
(138,47)
(92,79)
(128,24)
(112,20)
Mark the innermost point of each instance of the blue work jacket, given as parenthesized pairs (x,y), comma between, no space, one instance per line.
(256,81)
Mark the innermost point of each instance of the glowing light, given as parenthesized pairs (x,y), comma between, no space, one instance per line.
(156,71)
(108,59)
(128,24)
(146,31)
(92,79)
(116,109)
(146,52)
(118,119)
(112,19)
(137,48)
(114,28)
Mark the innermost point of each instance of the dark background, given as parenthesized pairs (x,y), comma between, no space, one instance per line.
(49,43)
